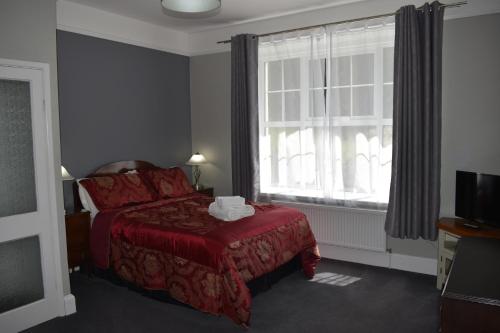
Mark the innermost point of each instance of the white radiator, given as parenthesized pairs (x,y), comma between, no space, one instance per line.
(341,226)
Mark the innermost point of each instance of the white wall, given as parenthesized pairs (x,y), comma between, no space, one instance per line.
(28,32)
(471,113)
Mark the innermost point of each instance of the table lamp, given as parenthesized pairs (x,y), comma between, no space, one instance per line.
(65,175)
(196,160)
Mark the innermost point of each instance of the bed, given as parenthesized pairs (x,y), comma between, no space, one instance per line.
(173,244)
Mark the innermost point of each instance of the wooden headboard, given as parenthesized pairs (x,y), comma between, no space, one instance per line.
(109,169)
(121,167)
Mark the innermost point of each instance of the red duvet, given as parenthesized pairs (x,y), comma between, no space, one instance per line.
(176,246)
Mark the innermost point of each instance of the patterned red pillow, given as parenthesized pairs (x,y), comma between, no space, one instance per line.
(169,182)
(118,190)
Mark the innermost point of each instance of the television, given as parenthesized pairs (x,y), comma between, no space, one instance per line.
(477,197)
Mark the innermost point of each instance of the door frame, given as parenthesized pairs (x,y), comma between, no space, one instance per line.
(65,304)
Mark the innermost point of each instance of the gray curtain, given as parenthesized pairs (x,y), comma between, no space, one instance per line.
(244,116)
(416,158)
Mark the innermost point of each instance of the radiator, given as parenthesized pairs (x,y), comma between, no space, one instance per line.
(341,226)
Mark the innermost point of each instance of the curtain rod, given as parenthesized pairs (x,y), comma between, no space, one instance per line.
(455,4)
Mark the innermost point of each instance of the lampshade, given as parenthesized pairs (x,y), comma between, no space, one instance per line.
(191,6)
(196,159)
(65,174)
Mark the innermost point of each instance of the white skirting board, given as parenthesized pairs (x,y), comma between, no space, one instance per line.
(381,259)
(69,304)
(414,264)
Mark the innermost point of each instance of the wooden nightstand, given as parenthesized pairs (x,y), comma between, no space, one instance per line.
(77,239)
(208,191)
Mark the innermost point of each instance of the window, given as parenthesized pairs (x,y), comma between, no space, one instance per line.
(325,113)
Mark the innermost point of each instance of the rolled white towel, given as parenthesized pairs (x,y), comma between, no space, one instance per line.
(230,214)
(227,202)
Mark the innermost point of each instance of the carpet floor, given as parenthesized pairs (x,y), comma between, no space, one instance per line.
(343,297)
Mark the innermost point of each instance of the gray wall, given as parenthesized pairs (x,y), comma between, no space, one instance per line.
(471,113)
(210,118)
(471,101)
(28,32)
(121,102)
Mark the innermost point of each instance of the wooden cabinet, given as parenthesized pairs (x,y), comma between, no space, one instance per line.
(470,301)
(77,239)
(450,232)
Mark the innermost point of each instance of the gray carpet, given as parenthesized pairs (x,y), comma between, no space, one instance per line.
(382,300)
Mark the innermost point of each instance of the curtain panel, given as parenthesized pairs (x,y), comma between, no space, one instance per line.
(416,156)
(244,116)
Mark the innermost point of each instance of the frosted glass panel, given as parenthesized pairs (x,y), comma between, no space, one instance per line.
(17,174)
(20,273)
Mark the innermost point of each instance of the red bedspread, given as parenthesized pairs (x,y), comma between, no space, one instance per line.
(175,245)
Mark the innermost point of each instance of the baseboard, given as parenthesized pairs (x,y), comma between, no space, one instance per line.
(69,304)
(414,264)
(381,259)
(372,258)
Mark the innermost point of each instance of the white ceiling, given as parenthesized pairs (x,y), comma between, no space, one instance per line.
(232,12)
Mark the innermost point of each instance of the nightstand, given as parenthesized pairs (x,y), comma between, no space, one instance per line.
(208,191)
(77,239)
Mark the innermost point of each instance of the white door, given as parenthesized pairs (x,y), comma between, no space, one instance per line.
(29,283)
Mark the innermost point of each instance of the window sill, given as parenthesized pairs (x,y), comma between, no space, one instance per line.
(340,204)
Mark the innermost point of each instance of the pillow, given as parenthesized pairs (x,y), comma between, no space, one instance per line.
(115,191)
(86,200)
(169,183)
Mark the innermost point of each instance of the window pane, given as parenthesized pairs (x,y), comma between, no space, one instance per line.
(362,101)
(274,75)
(292,105)
(17,169)
(317,103)
(317,68)
(293,157)
(277,140)
(274,107)
(385,164)
(340,102)
(309,150)
(388,64)
(363,69)
(341,71)
(285,156)
(358,157)
(20,273)
(388,102)
(387,136)
(291,69)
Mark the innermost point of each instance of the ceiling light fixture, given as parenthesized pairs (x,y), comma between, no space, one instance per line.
(190,7)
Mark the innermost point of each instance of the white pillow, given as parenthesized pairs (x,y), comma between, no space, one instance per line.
(86,200)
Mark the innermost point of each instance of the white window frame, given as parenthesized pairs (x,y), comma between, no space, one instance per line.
(306,121)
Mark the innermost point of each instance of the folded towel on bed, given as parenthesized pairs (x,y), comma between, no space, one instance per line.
(230,213)
(229,202)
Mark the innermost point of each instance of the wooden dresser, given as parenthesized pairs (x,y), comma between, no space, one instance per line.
(450,231)
(470,300)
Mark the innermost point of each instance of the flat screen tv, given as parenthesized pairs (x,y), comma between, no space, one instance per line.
(477,197)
